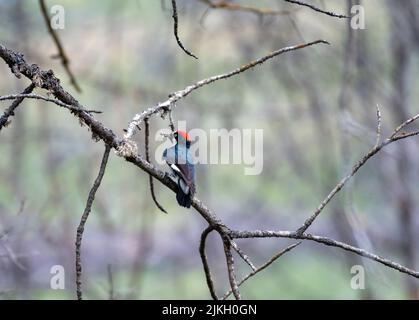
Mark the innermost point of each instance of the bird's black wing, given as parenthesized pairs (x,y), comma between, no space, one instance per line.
(186,172)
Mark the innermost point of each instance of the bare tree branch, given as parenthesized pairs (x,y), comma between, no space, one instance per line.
(110,282)
(175,30)
(230,266)
(403,125)
(405,135)
(204,259)
(47,80)
(61,52)
(171,123)
(83,220)
(242,255)
(329,13)
(174,97)
(10,111)
(263,267)
(325,241)
(17,97)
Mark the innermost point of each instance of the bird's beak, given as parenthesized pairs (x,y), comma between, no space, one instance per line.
(169,135)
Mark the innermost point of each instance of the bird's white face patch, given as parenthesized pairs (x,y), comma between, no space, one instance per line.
(174,167)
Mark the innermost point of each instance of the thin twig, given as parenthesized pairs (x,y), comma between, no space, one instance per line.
(110,282)
(174,97)
(377,142)
(61,52)
(83,220)
(22,96)
(230,265)
(204,259)
(329,13)
(13,257)
(10,111)
(404,135)
(175,31)
(404,125)
(171,123)
(21,206)
(226,5)
(262,267)
(242,255)
(147,157)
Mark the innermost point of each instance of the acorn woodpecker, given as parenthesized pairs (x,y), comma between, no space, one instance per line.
(181,163)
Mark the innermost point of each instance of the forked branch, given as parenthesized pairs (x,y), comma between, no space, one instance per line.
(10,111)
(263,267)
(167,105)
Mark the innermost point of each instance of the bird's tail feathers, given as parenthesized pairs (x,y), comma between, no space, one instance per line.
(184,200)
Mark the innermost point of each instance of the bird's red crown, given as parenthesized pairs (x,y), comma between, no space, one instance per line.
(184,134)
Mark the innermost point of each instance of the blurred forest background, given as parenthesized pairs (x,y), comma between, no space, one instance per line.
(317,107)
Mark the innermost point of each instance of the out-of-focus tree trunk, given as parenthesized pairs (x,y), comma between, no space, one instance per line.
(400,42)
(343,209)
(332,170)
(145,237)
(17,154)
(18,127)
